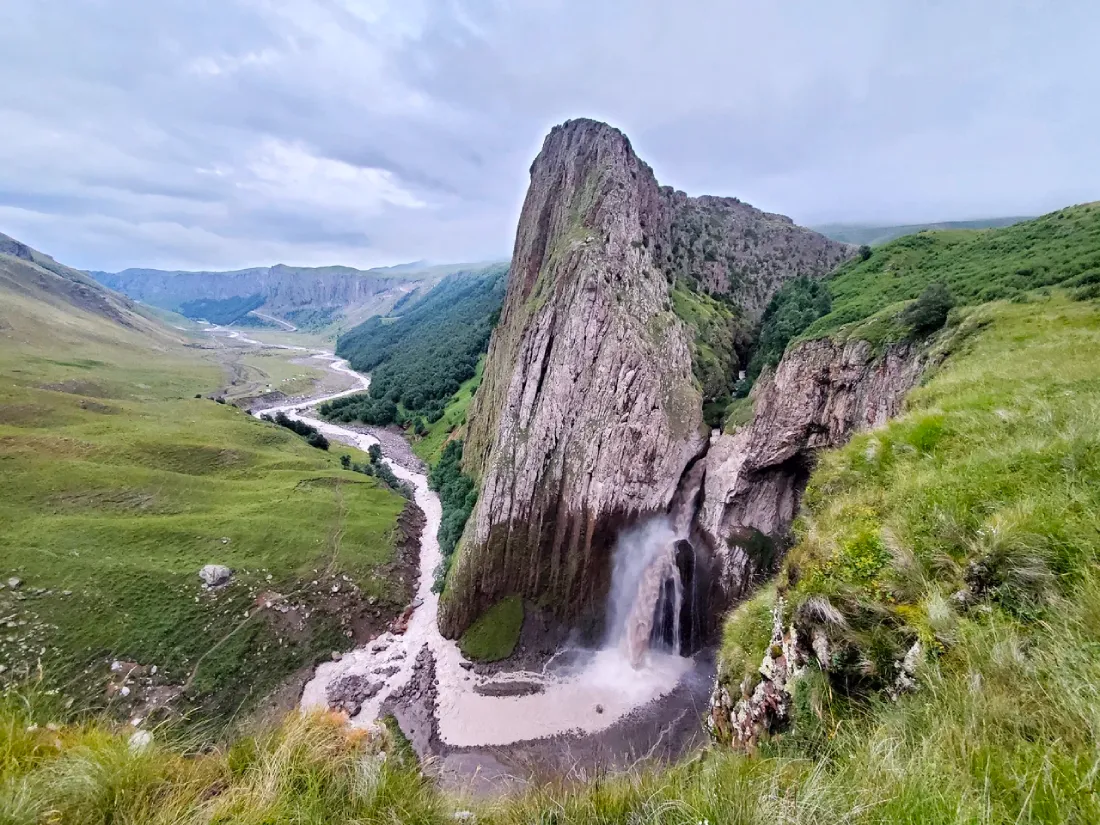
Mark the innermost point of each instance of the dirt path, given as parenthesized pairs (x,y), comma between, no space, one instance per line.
(289,327)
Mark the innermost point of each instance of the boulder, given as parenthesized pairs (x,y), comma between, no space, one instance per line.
(215,575)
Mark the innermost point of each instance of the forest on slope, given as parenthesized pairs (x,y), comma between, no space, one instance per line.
(420,355)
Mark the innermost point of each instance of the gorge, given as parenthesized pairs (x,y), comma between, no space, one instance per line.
(590,416)
(605,500)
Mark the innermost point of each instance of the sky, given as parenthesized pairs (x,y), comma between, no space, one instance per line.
(218,134)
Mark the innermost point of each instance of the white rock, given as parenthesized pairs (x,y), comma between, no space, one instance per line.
(15,582)
(215,574)
(140,740)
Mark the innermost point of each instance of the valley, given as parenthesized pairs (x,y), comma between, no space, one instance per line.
(688,514)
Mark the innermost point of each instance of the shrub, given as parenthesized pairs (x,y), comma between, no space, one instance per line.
(315,439)
(929,312)
(458,495)
(864,252)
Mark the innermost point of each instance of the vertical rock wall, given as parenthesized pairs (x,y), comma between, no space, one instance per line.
(588,413)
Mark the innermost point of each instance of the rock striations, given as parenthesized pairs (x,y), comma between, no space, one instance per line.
(589,415)
(819,395)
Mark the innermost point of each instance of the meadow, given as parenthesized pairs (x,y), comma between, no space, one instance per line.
(117,484)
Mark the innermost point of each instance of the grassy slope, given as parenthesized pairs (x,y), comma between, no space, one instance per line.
(874,235)
(1003,729)
(714,325)
(117,484)
(1062,248)
(494,635)
(430,446)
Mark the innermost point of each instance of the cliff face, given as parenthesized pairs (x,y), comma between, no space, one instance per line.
(588,414)
(728,247)
(818,396)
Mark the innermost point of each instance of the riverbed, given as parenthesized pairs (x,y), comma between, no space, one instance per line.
(597,691)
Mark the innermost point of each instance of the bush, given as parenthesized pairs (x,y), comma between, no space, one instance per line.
(929,312)
(315,439)
(864,252)
(345,461)
(458,495)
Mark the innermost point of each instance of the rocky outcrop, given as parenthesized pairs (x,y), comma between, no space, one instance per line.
(821,392)
(588,413)
(727,247)
(741,715)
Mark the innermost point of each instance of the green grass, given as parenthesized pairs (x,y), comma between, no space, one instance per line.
(494,635)
(429,447)
(117,485)
(282,374)
(714,327)
(1059,249)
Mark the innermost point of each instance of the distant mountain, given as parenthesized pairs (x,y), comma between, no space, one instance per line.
(859,233)
(336,297)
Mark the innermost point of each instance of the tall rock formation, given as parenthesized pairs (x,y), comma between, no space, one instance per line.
(819,395)
(589,414)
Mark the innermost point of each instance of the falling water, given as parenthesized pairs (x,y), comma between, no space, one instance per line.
(646,603)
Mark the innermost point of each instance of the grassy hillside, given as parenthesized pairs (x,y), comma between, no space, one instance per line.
(1059,249)
(117,484)
(871,235)
(451,424)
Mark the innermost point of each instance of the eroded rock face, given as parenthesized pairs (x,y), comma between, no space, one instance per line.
(819,395)
(588,413)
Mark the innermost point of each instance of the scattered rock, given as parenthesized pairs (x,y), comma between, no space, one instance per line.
(386,671)
(15,582)
(215,575)
(337,655)
(466,665)
(599,708)
(348,693)
(140,740)
(464,816)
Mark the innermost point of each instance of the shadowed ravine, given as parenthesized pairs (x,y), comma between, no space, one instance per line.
(605,687)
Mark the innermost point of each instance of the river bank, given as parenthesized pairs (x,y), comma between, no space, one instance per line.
(597,712)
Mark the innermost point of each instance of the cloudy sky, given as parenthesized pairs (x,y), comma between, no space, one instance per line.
(228,133)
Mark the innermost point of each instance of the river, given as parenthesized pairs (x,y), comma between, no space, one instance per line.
(585,699)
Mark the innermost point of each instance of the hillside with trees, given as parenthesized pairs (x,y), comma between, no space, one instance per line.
(420,358)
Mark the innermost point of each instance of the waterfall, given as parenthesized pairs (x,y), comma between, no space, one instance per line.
(653,601)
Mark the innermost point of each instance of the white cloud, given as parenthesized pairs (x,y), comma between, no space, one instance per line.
(244,132)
